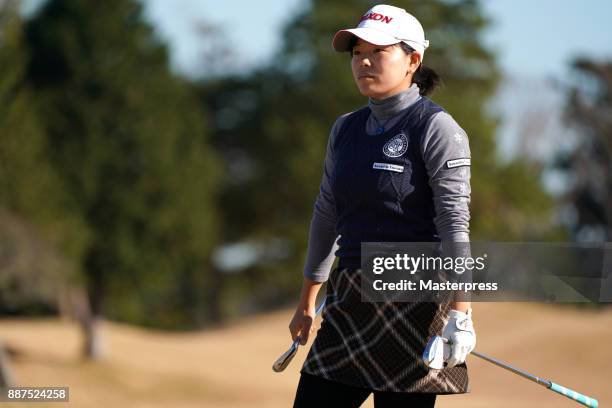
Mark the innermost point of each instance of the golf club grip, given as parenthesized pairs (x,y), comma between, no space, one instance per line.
(576,396)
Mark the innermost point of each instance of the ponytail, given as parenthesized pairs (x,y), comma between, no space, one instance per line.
(427,79)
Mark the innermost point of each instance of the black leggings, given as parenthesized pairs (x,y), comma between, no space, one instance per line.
(318,392)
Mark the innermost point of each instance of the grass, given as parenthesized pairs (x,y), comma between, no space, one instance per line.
(231,366)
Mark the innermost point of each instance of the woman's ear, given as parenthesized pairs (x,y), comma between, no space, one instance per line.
(415,62)
(415,59)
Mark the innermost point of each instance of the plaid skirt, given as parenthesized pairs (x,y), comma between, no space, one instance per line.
(378,345)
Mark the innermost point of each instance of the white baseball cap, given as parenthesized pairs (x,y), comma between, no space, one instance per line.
(385,25)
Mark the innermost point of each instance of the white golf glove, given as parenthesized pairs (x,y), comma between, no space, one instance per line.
(459,330)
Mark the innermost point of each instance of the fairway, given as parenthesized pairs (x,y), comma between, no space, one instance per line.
(231,367)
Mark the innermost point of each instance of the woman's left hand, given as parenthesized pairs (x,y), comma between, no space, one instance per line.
(459,330)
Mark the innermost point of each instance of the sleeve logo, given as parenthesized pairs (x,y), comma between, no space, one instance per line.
(458,163)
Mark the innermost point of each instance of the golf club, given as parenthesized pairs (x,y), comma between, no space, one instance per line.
(435,353)
(283,361)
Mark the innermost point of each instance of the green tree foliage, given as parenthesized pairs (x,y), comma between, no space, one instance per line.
(36,233)
(588,166)
(128,144)
(272,127)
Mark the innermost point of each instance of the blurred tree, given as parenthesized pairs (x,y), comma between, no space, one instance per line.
(271,127)
(7,16)
(129,145)
(30,273)
(588,164)
(32,201)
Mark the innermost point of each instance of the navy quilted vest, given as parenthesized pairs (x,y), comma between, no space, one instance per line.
(380,183)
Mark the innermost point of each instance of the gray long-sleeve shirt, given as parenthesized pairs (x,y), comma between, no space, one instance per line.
(443,144)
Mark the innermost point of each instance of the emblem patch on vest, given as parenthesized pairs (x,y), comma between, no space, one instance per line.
(397,146)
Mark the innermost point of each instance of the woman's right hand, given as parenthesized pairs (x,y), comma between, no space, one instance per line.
(302,322)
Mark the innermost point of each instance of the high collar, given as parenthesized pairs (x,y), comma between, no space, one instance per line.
(389,107)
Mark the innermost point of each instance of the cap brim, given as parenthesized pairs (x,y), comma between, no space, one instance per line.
(342,39)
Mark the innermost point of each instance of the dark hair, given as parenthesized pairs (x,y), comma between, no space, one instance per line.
(426,78)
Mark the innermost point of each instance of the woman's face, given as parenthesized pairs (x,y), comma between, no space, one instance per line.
(382,71)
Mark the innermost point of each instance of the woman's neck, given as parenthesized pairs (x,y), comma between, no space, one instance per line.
(386,108)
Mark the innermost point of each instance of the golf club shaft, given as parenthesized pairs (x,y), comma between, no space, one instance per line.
(515,370)
(576,396)
(320,307)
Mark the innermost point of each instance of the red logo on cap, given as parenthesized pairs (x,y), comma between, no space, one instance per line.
(376,17)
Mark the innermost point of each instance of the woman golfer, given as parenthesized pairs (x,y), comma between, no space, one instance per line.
(396,170)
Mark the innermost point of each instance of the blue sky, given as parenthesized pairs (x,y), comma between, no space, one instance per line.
(260,22)
(540,37)
(533,38)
